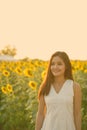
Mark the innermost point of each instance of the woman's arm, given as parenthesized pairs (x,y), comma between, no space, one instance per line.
(40,114)
(77,106)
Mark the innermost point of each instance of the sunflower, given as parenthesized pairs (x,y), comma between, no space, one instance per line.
(9,88)
(4,90)
(43,74)
(32,84)
(85,71)
(28,72)
(18,70)
(6,73)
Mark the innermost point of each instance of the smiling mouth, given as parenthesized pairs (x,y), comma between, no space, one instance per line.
(56,70)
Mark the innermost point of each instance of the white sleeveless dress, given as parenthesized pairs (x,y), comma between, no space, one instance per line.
(59,115)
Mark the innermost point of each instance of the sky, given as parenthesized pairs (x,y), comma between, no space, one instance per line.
(38,28)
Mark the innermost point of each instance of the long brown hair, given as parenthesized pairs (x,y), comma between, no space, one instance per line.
(49,79)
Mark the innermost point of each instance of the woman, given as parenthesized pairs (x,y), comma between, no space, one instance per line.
(59,97)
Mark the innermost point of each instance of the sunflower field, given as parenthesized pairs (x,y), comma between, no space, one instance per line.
(19,83)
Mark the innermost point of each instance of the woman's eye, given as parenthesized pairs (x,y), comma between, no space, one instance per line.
(59,64)
(52,63)
(56,63)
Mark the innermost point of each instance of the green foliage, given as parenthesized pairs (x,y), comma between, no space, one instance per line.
(81,78)
(18,107)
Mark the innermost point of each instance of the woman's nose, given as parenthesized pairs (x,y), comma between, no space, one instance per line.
(56,66)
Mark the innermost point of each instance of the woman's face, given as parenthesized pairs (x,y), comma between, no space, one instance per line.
(57,66)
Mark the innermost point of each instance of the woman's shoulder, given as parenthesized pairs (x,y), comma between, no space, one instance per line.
(76,86)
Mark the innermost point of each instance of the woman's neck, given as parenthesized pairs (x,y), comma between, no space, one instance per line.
(59,80)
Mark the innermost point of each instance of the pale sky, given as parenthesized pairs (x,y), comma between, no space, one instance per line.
(38,28)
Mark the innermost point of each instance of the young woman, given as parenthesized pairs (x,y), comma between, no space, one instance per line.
(59,97)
